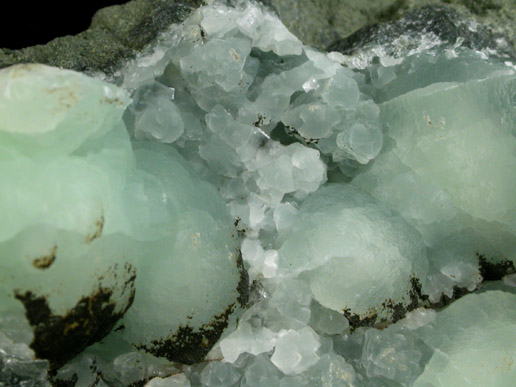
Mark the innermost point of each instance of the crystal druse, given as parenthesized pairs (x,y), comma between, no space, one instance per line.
(361,191)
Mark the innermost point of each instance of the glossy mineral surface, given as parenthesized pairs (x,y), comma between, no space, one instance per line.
(364,194)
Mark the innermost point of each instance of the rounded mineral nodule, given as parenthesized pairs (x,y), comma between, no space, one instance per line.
(94,225)
(472,341)
(190,274)
(359,258)
(63,269)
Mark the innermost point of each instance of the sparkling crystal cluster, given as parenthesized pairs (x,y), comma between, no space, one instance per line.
(361,194)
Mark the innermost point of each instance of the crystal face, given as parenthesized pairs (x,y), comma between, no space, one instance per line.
(356,256)
(361,196)
(470,342)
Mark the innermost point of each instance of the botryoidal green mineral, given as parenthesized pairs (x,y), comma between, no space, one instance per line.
(367,189)
(357,256)
(472,342)
(94,225)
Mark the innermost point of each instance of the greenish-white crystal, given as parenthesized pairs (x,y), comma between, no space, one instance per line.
(356,255)
(65,157)
(472,342)
(123,209)
(89,212)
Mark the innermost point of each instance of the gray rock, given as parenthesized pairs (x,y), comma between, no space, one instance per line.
(443,23)
(321,22)
(115,34)
(119,32)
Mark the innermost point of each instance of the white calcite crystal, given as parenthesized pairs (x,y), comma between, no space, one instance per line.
(296,351)
(358,257)
(178,380)
(360,194)
(247,339)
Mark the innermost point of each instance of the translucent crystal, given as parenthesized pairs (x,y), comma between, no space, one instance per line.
(331,370)
(219,375)
(327,321)
(62,241)
(341,90)
(391,355)
(249,340)
(102,218)
(471,340)
(464,129)
(129,367)
(261,373)
(291,300)
(178,380)
(133,212)
(296,351)
(45,111)
(155,114)
(355,254)
(193,238)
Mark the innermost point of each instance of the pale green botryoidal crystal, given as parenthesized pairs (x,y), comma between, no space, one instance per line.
(92,224)
(447,168)
(473,342)
(358,256)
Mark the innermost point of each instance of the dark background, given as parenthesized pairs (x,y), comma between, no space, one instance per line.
(27,23)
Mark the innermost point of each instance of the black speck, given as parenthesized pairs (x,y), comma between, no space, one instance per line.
(494,271)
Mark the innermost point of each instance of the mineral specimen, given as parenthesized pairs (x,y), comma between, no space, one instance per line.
(97,224)
(356,256)
(361,190)
(470,342)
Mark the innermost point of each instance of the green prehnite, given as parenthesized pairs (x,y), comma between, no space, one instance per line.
(370,190)
(448,170)
(358,257)
(472,342)
(95,227)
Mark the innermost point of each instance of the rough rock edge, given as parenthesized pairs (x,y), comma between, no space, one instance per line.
(116,35)
(445,23)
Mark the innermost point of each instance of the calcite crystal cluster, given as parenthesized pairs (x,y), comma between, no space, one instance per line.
(234,208)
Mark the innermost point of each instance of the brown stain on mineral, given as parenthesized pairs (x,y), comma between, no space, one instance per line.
(113,101)
(58,338)
(189,346)
(44,262)
(99,227)
(235,55)
(397,310)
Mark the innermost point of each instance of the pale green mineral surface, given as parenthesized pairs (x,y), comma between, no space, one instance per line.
(357,256)
(93,221)
(472,342)
(363,191)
